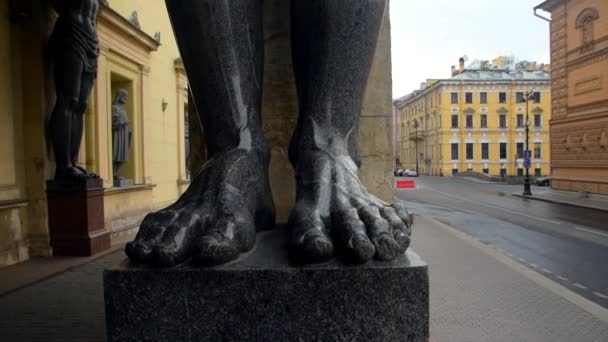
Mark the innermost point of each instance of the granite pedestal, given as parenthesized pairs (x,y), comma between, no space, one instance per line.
(76,218)
(263,297)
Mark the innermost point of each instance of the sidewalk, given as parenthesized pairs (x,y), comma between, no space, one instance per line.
(597,202)
(476,295)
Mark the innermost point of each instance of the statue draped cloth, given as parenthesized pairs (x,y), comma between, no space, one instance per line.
(68,34)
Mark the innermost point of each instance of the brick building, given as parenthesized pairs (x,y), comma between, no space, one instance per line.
(579,82)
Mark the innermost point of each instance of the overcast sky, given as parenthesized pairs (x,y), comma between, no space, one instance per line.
(429,36)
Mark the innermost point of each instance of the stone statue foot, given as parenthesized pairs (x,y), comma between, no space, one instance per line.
(70,175)
(85,172)
(334,214)
(216,219)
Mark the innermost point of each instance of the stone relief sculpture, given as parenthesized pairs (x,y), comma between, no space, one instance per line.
(75,49)
(216,219)
(121,136)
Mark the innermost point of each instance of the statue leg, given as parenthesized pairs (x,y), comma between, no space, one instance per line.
(86,85)
(68,69)
(333,45)
(215,220)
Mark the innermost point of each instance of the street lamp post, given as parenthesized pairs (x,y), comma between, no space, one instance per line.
(527,154)
(416,139)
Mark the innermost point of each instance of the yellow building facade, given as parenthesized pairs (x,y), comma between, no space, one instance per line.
(137,53)
(475,120)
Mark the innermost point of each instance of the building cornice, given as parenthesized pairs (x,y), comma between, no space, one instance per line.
(449,82)
(122,25)
(549,5)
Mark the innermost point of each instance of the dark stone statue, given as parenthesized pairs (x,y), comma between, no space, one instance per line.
(74,48)
(216,219)
(121,136)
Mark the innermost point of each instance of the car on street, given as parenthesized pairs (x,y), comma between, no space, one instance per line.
(542,181)
(410,173)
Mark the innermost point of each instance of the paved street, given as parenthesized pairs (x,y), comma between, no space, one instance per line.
(477,295)
(566,244)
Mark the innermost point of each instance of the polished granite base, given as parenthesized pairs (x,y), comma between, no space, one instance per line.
(264,297)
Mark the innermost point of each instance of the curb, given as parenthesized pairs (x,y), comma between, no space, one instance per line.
(560,202)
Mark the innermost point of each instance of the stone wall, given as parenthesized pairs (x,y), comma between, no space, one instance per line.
(280,111)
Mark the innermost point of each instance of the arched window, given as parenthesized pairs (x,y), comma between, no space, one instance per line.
(584,22)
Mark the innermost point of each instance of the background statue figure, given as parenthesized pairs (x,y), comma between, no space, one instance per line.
(75,48)
(121,136)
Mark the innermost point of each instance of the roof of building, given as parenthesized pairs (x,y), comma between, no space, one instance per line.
(548,5)
(501,69)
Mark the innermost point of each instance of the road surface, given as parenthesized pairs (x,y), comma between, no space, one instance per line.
(566,244)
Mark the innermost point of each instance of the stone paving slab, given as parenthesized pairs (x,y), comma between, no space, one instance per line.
(474,297)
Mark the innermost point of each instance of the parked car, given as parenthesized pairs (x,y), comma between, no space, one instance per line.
(542,181)
(410,173)
(398,172)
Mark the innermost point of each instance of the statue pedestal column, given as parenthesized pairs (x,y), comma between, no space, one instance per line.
(76,219)
(261,297)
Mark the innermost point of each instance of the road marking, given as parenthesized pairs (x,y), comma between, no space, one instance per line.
(495,207)
(591,231)
(546,271)
(509,254)
(500,250)
(562,278)
(521,259)
(533,265)
(580,286)
(601,295)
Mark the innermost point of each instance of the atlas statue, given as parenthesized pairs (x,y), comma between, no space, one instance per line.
(74,49)
(217,217)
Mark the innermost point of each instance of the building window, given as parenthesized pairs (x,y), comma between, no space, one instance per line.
(520,150)
(484,121)
(503,150)
(454,121)
(483,98)
(486,171)
(469,121)
(485,151)
(519,97)
(469,151)
(520,172)
(537,150)
(454,151)
(454,98)
(502,97)
(520,120)
(502,120)
(454,172)
(584,22)
(537,97)
(468,97)
(537,121)
(537,172)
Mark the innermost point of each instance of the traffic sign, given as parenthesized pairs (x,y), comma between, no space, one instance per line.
(527,154)
(527,163)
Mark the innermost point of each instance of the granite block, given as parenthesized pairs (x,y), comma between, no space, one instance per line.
(264,297)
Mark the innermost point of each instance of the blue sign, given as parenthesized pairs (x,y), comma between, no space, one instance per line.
(527,163)
(527,154)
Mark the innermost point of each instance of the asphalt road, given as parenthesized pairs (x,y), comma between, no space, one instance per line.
(567,244)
